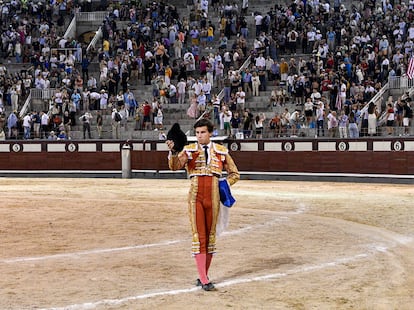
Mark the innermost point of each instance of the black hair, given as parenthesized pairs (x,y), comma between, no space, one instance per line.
(204,122)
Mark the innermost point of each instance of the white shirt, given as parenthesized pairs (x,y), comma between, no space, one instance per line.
(27,121)
(258,19)
(181,87)
(44,120)
(207,88)
(241,97)
(260,61)
(227,116)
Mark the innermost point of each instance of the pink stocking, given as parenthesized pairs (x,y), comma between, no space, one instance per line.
(209,257)
(201,267)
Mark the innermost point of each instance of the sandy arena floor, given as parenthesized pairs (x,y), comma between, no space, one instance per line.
(125,244)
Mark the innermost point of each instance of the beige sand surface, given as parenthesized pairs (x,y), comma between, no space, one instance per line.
(125,244)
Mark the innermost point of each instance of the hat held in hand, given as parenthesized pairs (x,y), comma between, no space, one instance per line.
(178,136)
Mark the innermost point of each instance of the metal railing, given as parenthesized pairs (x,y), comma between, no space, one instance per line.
(400,82)
(83,17)
(378,99)
(95,40)
(245,65)
(91,16)
(25,106)
(71,31)
(44,94)
(77,52)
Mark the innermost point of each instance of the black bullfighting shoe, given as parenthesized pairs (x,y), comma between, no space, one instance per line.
(198,283)
(208,287)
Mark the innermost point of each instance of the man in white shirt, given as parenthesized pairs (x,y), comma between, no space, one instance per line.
(44,124)
(260,61)
(207,89)
(240,99)
(311,39)
(201,102)
(91,83)
(294,121)
(292,38)
(86,121)
(258,19)
(181,87)
(27,124)
(189,62)
(226,117)
(172,93)
(197,87)
(62,42)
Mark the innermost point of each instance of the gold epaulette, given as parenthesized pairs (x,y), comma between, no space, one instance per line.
(191,147)
(220,149)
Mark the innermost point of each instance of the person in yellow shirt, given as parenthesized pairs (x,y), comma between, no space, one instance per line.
(168,75)
(106,47)
(284,69)
(210,36)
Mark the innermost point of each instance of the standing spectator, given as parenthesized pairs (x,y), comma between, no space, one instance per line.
(320,116)
(149,66)
(192,110)
(390,119)
(292,40)
(116,120)
(408,115)
(85,67)
(14,98)
(12,124)
(258,123)
(27,125)
(343,122)
(308,108)
(226,117)
(255,84)
(201,102)
(99,123)
(247,124)
(372,119)
(158,119)
(181,89)
(235,124)
(332,124)
(284,69)
(353,126)
(147,115)
(124,117)
(240,99)
(67,121)
(189,62)
(44,123)
(258,19)
(36,124)
(86,121)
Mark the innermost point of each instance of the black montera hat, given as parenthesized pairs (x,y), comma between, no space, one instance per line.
(178,136)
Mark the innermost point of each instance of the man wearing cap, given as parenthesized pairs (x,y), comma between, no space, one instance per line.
(383,45)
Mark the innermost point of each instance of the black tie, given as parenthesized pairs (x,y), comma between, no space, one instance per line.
(206,152)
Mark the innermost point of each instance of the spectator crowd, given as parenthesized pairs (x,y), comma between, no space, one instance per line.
(317,64)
